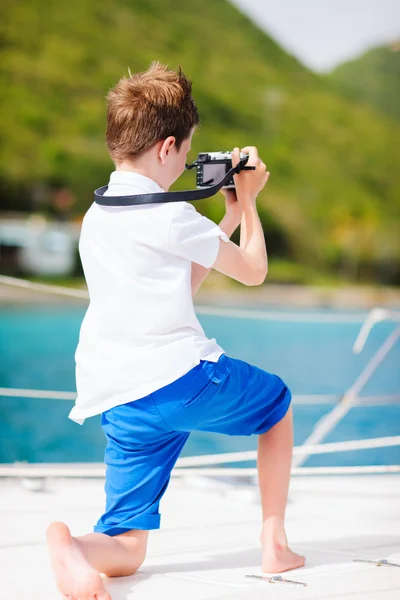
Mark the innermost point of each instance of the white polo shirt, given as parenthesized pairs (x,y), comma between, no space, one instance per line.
(140,331)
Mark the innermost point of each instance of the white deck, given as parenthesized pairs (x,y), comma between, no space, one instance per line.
(209,539)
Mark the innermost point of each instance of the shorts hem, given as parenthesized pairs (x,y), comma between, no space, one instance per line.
(145,522)
(278,414)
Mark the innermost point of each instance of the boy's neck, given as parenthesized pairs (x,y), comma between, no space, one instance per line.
(140,170)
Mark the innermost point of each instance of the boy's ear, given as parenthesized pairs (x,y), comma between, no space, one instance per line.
(165,148)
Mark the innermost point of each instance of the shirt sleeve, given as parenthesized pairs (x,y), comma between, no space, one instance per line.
(195,237)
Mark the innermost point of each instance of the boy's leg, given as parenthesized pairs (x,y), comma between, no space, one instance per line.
(274,463)
(77,562)
(237,398)
(140,454)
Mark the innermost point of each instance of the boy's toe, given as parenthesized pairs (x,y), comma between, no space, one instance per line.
(104,596)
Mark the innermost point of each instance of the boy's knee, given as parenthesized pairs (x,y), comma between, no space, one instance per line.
(133,565)
(138,558)
(128,566)
(134,546)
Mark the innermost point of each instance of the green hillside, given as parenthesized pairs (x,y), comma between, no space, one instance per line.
(374,78)
(333,197)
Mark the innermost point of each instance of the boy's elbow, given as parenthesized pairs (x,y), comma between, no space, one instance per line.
(258,277)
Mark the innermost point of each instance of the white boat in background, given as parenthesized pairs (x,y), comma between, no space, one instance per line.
(37,245)
(345,520)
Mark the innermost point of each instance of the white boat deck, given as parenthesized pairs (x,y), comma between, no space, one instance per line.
(208,542)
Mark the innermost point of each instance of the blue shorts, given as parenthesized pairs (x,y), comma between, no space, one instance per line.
(146,437)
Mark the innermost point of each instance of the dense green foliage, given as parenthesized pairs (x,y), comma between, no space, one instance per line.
(333,197)
(374,78)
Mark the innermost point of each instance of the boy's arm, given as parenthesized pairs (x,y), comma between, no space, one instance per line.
(229,224)
(247,263)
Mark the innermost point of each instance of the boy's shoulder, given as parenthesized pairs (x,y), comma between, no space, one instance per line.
(165,217)
(162,209)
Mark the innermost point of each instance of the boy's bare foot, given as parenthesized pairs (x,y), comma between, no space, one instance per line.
(276,554)
(76,579)
(281,559)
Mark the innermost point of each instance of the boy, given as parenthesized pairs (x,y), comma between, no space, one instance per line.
(143,361)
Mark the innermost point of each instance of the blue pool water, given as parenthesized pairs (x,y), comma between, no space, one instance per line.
(37,345)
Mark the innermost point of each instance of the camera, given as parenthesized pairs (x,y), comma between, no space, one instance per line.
(212,166)
(213,170)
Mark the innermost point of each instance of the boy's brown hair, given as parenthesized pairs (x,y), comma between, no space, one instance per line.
(148,107)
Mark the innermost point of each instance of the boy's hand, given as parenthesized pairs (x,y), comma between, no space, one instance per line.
(233,208)
(249,183)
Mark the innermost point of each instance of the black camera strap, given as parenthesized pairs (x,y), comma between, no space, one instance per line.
(161,197)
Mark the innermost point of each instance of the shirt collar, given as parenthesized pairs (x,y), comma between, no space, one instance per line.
(136,180)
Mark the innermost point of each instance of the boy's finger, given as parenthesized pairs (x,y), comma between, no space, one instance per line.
(235,157)
(230,195)
(253,154)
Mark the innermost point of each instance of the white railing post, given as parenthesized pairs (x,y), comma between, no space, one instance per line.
(325,425)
